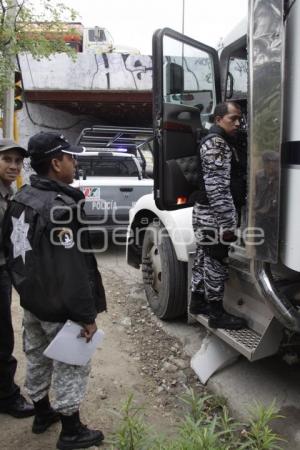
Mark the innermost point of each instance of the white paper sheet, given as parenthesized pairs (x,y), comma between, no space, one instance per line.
(67,347)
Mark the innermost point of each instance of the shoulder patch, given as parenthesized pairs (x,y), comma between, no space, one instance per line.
(66,238)
(219,159)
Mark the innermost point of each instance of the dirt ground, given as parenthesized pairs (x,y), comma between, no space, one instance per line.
(136,357)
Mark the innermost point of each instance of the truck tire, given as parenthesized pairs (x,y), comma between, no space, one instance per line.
(163,275)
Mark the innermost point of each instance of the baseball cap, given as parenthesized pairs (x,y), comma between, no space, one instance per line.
(9,144)
(45,145)
(270,155)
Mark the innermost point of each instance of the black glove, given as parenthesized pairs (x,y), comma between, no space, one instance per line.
(228,236)
(218,252)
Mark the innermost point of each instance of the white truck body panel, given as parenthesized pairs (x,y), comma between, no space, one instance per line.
(290,233)
(178,224)
(98,40)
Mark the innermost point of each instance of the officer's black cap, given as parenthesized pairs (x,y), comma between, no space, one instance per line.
(44,145)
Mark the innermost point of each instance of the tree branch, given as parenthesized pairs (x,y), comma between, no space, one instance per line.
(20,6)
(3,13)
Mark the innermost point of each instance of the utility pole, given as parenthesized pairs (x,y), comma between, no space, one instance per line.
(183,18)
(9,96)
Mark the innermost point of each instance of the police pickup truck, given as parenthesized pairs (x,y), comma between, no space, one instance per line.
(114,171)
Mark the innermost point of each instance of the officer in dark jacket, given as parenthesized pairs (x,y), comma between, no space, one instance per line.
(215,216)
(11,400)
(56,276)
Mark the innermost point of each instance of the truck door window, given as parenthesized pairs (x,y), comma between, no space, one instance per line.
(237,81)
(186,87)
(188,76)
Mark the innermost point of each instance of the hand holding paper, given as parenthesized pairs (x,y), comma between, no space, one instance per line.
(69,347)
(88,330)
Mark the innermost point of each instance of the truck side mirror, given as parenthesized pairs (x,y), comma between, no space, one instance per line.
(229,86)
(175,78)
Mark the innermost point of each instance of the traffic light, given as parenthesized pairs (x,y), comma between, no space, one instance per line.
(18,91)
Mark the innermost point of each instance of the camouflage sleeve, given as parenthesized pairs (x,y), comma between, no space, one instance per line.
(215,157)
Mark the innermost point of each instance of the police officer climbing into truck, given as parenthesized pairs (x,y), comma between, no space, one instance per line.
(56,280)
(222,191)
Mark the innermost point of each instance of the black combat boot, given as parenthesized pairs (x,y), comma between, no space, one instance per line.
(198,304)
(45,416)
(76,435)
(219,318)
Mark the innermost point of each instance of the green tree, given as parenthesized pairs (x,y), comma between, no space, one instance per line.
(25,26)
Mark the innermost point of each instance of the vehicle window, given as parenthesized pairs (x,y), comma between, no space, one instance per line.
(75,45)
(96,38)
(238,70)
(107,167)
(188,77)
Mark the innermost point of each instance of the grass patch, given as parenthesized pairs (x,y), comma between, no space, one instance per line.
(207,425)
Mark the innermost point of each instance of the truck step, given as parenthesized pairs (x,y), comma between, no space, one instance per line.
(248,342)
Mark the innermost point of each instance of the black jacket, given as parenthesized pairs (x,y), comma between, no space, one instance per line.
(55,280)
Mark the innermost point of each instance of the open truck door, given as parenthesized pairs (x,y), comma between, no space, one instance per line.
(186,88)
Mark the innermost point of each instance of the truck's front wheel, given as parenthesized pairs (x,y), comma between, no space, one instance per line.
(164,276)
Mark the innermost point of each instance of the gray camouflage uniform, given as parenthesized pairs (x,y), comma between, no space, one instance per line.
(209,270)
(68,381)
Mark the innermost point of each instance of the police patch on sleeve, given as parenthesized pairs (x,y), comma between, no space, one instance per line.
(65,237)
(219,159)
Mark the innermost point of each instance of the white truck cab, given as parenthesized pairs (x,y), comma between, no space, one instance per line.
(189,79)
(99,40)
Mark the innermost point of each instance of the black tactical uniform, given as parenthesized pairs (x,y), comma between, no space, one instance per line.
(222,181)
(55,273)
(52,291)
(55,281)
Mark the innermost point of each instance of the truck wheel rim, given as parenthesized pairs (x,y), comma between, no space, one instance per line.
(155,268)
